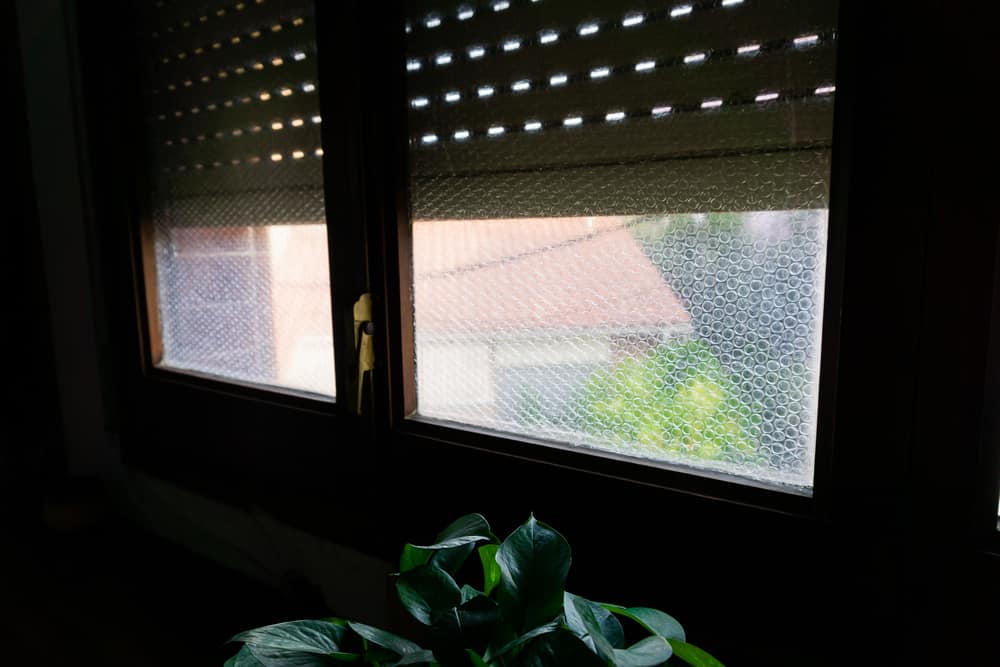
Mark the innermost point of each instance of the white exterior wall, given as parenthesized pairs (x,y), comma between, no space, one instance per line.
(454,377)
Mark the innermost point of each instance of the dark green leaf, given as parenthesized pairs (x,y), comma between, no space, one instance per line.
(611,627)
(309,636)
(491,656)
(465,530)
(419,658)
(470,624)
(426,591)
(649,652)
(376,655)
(475,659)
(468,592)
(581,620)
(276,657)
(244,658)
(693,655)
(491,570)
(452,546)
(451,559)
(470,524)
(654,620)
(404,648)
(412,557)
(451,543)
(557,649)
(534,561)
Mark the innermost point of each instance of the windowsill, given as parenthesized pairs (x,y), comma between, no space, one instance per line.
(670,476)
(242,389)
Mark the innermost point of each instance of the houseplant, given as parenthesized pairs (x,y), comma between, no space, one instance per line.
(519,615)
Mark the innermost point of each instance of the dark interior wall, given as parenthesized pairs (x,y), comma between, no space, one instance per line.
(31,451)
(70,257)
(854,583)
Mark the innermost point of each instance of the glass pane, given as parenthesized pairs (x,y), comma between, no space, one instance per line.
(682,338)
(619,219)
(247,303)
(234,178)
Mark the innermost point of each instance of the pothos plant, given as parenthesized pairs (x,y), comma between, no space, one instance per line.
(519,615)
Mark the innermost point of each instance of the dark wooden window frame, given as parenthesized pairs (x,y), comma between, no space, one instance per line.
(388,139)
(359,187)
(986,523)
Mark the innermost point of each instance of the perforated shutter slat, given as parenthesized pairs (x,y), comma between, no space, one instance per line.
(679,86)
(475,156)
(231,111)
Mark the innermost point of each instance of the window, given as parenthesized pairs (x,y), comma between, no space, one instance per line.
(236,237)
(618,220)
(619,227)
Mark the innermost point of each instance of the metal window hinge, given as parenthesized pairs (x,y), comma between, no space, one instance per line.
(364,345)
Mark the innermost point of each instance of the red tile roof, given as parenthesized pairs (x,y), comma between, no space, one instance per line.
(544,273)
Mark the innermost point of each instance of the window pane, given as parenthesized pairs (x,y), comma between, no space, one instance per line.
(247,303)
(619,219)
(683,338)
(233,171)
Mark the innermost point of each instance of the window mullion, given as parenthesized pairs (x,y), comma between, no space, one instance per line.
(340,100)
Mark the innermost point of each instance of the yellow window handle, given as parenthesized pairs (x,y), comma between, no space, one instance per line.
(364,345)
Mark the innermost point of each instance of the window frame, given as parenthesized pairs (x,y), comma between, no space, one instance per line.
(144,270)
(369,186)
(987,517)
(374,257)
(395,285)
(195,446)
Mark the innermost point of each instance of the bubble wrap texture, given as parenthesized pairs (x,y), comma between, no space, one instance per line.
(250,304)
(689,339)
(235,191)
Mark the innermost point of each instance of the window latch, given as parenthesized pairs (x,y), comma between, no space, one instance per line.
(364,346)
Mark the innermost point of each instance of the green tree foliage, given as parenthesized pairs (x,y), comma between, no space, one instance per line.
(749,283)
(677,399)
